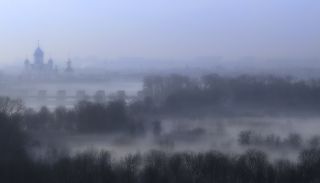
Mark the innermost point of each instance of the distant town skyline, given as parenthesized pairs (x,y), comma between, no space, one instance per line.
(161,29)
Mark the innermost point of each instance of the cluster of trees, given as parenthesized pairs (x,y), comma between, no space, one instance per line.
(158,167)
(16,165)
(11,106)
(85,117)
(13,140)
(293,140)
(240,92)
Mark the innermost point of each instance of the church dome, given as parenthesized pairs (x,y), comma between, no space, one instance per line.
(38,52)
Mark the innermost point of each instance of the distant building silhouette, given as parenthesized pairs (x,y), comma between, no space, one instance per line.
(69,68)
(40,67)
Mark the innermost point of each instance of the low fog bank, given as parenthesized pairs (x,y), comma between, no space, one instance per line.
(180,113)
(91,165)
(303,68)
(171,116)
(150,122)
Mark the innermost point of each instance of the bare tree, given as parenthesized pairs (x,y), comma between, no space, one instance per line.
(11,106)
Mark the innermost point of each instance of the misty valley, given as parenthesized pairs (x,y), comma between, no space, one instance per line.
(162,128)
(159,91)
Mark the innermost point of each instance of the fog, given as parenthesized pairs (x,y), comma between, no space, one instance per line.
(113,115)
(196,136)
(124,115)
(159,91)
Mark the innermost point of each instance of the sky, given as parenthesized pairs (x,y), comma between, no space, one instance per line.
(161,29)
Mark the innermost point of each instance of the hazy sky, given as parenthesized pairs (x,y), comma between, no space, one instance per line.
(160,28)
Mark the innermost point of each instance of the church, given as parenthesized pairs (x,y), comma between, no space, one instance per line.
(39,66)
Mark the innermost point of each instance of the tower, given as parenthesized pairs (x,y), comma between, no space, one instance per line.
(50,64)
(69,66)
(27,64)
(38,58)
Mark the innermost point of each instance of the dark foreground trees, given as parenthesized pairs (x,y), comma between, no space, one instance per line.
(159,167)
(17,166)
(13,147)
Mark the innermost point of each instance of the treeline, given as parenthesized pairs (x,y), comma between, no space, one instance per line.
(158,167)
(17,166)
(272,141)
(85,117)
(265,93)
